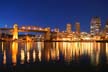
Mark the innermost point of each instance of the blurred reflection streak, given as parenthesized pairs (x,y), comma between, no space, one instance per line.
(22,56)
(64,49)
(28,56)
(14,52)
(53,53)
(39,55)
(67,51)
(29,46)
(107,52)
(57,50)
(74,50)
(4,57)
(98,53)
(95,53)
(47,50)
(34,55)
(42,44)
(2,46)
(97,59)
(47,55)
(39,47)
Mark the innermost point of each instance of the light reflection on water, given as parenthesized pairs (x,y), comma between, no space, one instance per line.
(27,52)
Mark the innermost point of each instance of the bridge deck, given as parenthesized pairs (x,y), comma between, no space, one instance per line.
(24,30)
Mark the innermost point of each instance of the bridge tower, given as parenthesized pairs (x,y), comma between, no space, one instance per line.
(48,34)
(15,32)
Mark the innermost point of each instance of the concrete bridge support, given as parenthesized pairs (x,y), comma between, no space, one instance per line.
(48,34)
(15,32)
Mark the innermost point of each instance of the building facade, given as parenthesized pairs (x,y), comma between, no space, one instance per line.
(95,26)
(77,27)
(68,28)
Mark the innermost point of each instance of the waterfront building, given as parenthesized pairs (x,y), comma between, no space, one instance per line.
(106,27)
(106,30)
(68,28)
(77,26)
(95,26)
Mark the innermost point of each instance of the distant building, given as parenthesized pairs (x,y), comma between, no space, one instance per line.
(56,29)
(77,26)
(95,26)
(106,27)
(68,28)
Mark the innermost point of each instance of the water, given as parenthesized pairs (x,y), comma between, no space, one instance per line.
(53,56)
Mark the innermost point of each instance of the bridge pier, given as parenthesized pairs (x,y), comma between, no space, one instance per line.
(15,32)
(48,34)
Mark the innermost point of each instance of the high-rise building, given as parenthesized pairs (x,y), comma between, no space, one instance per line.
(106,27)
(95,26)
(77,26)
(68,28)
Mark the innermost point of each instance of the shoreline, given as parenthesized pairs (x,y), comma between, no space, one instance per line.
(54,41)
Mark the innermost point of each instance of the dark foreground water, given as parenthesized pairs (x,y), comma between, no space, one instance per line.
(53,56)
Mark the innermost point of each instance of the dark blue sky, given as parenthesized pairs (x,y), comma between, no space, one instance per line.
(53,13)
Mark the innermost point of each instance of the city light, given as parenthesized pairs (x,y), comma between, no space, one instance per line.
(48,34)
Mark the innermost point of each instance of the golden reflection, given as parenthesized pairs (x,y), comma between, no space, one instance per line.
(28,56)
(4,57)
(51,51)
(95,51)
(47,52)
(29,46)
(14,52)
(22,56)
(73,50)
(57,50)
(40,48)
(97,58)
(53,54)
(34,55)
(39,55)
(40,45)
(107,52)
(67,51)
(2,46)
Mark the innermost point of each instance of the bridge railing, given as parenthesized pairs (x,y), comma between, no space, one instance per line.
(31,28)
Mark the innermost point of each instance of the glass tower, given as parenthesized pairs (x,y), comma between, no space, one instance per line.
(95,27)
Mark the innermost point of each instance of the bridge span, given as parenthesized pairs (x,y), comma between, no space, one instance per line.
(15,30)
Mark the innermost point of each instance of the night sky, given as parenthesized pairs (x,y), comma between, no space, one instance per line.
(53,13)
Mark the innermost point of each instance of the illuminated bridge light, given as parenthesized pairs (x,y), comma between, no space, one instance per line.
(40,28)
(34,28)
(23,27)
(29,28)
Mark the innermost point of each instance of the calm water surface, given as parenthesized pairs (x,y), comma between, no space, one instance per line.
(53,56)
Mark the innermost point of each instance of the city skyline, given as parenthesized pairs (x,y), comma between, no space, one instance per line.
(93,23)
(54,13)
(53,35)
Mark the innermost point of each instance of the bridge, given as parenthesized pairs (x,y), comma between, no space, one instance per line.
(15,30)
